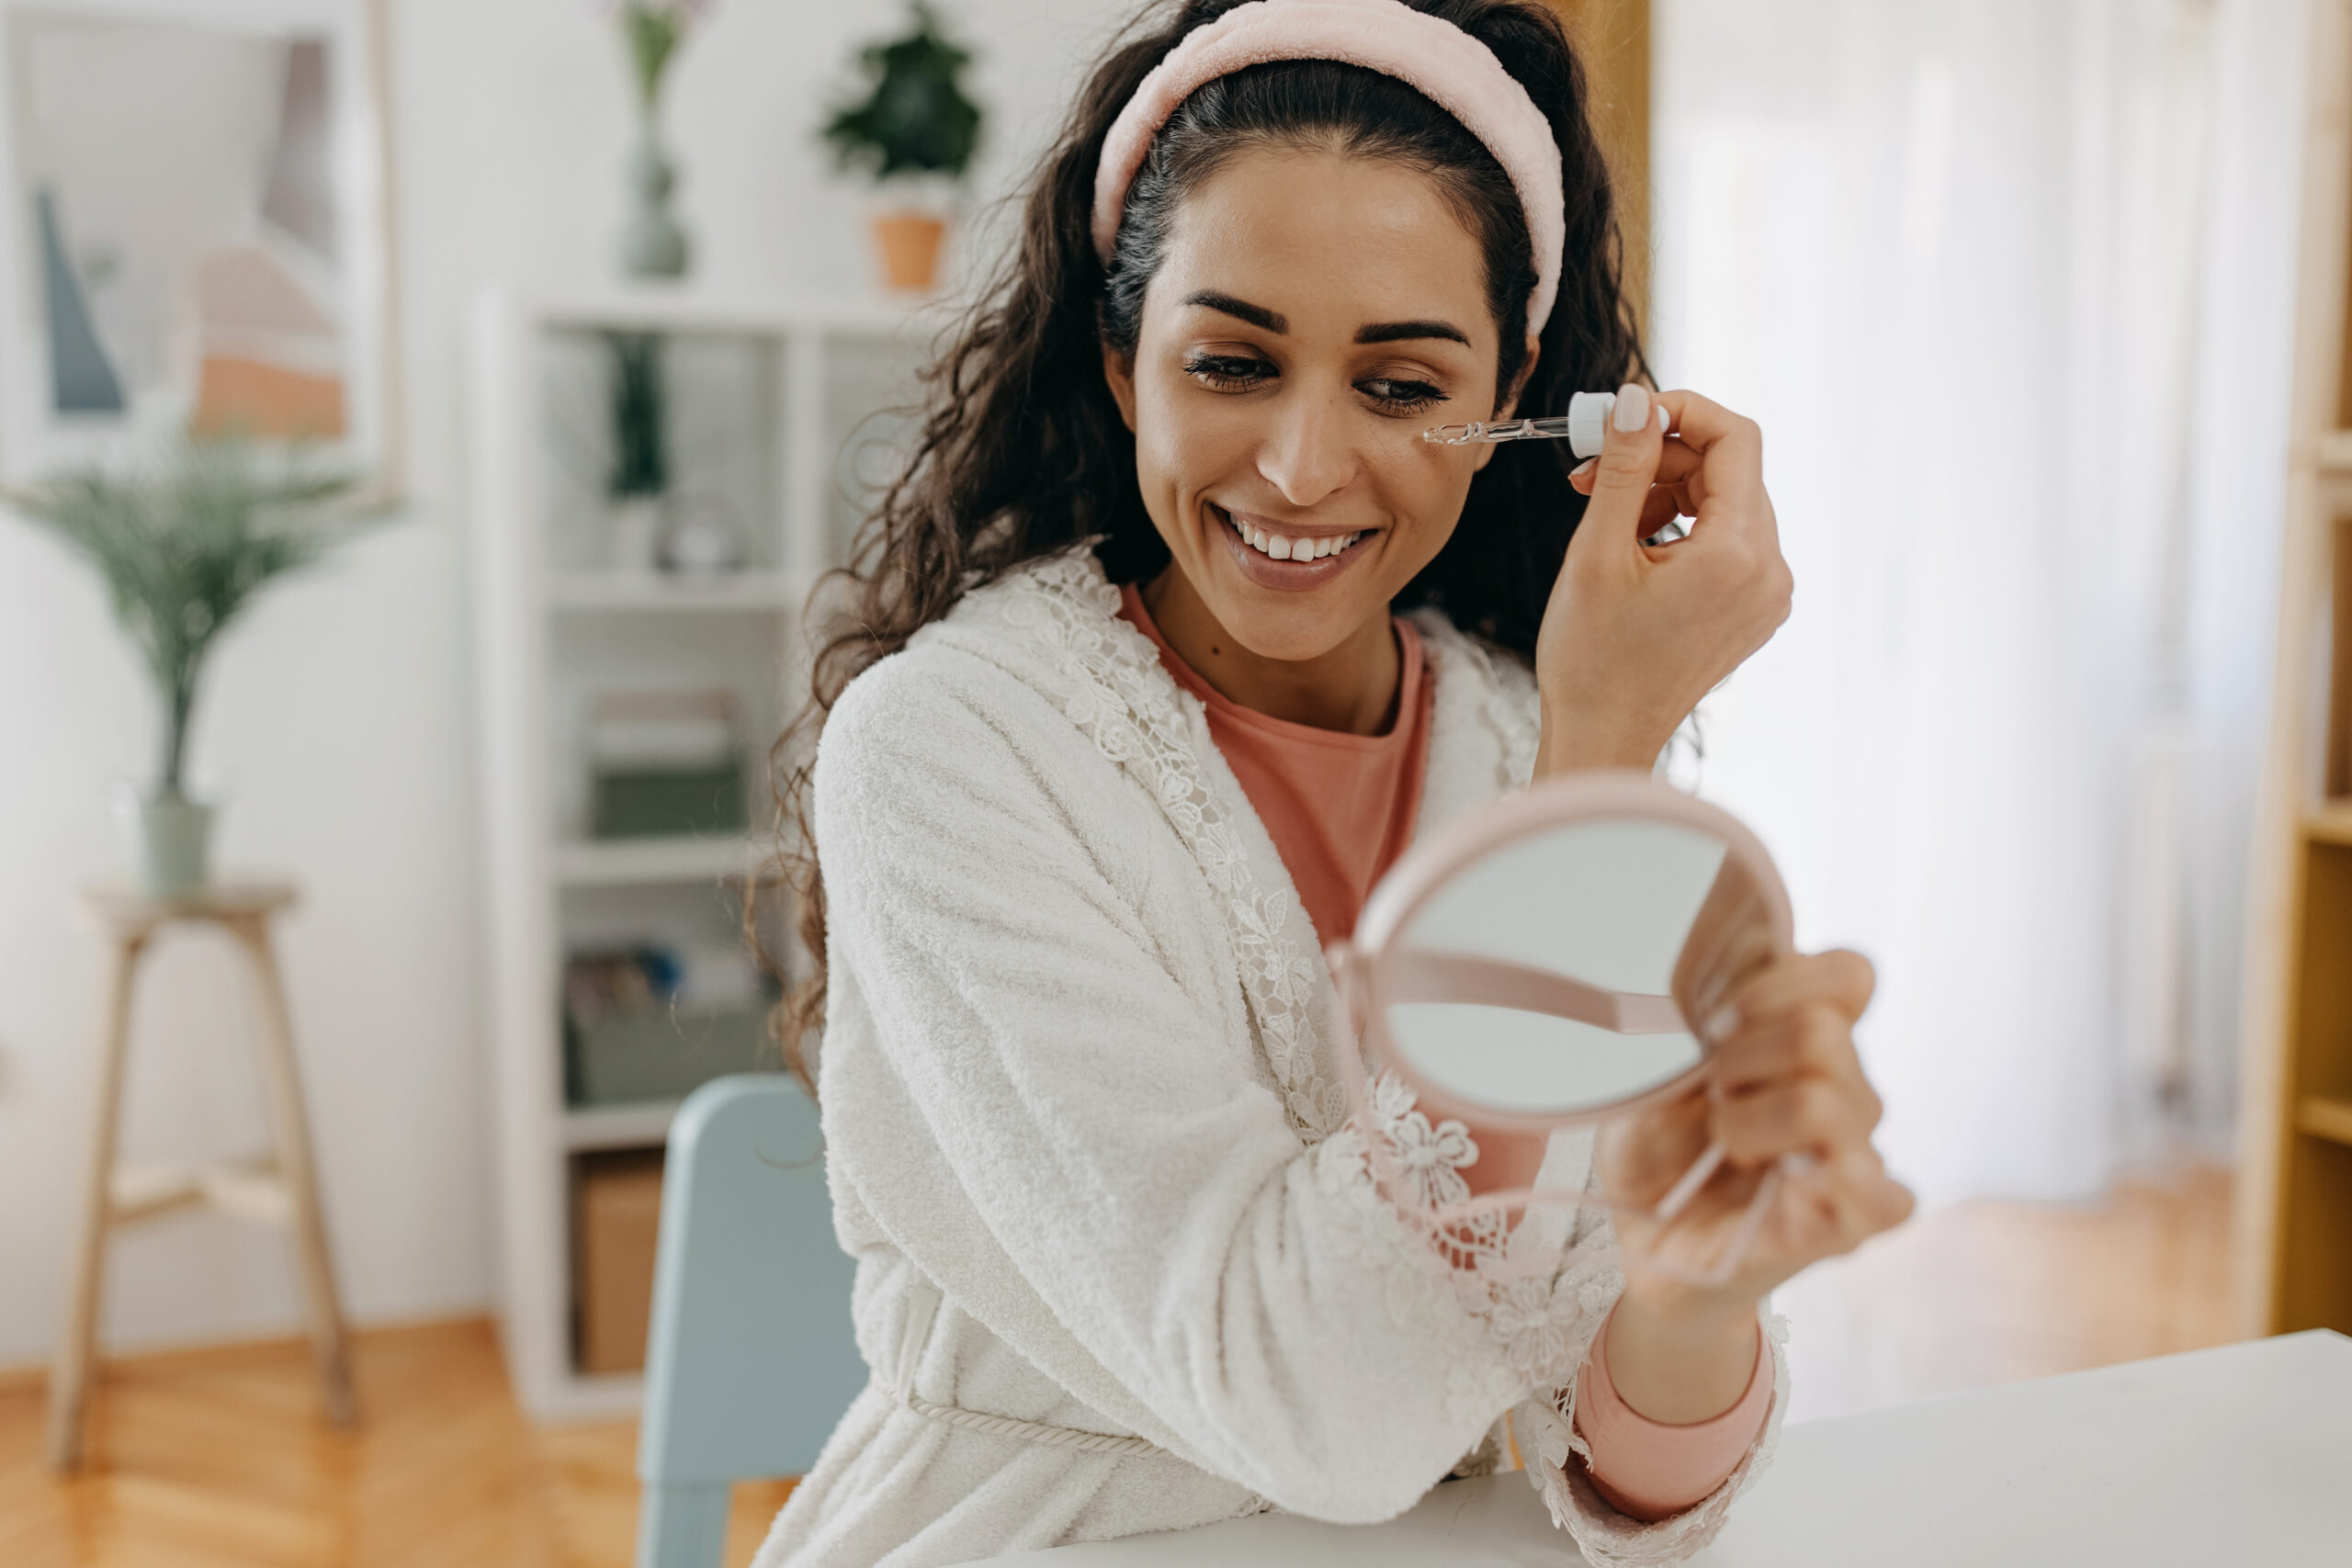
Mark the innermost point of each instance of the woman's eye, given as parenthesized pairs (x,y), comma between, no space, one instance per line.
(1401,394)
(1228,372)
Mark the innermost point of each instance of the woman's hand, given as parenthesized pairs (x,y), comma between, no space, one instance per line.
(1786,1081)
(1634,634)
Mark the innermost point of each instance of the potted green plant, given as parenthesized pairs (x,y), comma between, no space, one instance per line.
(182,546)
(652,245)
(914,130)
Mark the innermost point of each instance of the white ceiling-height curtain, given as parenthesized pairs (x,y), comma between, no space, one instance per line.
(1968,264)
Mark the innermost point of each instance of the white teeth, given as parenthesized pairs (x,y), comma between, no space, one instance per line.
(1282,547)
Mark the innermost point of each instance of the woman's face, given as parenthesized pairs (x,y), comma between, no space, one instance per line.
(1315,312)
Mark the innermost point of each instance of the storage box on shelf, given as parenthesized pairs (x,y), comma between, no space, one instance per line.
(771,452)
(2295,1183)
(617,1211)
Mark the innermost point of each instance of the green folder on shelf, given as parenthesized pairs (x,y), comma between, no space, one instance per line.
(656,1053)
(666,762)
(662,803)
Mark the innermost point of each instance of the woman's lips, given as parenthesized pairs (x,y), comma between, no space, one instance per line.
(1287,575)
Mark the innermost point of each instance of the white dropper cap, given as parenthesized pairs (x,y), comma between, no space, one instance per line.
(1587,419)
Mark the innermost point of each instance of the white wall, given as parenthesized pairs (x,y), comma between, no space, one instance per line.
(338,716)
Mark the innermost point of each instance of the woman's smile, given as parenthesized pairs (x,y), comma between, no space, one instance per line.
(1286,555)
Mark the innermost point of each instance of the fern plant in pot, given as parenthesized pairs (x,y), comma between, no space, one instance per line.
(914,132)
(182,546)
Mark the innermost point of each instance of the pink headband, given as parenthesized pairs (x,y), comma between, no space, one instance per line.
(1448,66)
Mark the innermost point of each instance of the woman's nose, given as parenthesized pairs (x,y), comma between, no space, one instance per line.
(1307,453)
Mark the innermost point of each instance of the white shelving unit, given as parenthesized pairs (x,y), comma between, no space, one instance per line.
(629,590)
(638,862)
(764,397)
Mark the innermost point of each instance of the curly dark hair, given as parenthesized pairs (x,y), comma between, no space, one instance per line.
(1022,452)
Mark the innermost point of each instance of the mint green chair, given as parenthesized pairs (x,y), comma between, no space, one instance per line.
(750,1361)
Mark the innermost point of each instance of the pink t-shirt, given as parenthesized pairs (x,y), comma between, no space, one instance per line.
(1339,808)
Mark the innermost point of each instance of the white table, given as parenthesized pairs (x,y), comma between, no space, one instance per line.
(2240,1455)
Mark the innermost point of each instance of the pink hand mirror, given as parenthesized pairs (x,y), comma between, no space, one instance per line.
(1553,960)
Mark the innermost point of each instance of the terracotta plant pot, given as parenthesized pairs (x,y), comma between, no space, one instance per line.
(909,244)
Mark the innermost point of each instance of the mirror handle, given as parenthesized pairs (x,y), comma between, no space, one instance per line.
(1427,975)
(1735,1250)
(1686,1188)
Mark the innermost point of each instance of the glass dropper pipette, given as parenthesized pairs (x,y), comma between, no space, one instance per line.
(1555,428)
(1580,427)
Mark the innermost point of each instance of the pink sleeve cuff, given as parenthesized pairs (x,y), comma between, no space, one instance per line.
(1648,1470)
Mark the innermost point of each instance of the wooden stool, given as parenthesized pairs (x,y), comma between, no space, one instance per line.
(279,1191)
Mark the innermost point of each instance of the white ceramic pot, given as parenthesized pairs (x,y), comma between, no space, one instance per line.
(639,522)
(166,841)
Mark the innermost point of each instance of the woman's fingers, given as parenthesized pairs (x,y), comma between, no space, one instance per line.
(1876,1201)
(1856,1197)
(1633,637)
(1759,1053)
(1787,1095)
(1841,977)
(1812,1039)
(1787,1075)
(1731,451)
(1620,480)
(1733,529)
(1647,1154)
(1665,503)
(1677,465)
(1793,1015)
(1808,1112)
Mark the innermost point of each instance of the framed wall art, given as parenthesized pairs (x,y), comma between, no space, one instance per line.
(194,238)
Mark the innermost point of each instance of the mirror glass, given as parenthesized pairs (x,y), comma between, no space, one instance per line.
(1575,943)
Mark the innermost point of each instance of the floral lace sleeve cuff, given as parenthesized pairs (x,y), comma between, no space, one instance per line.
(1544,1322)
(1651,1468)
(1557,1455)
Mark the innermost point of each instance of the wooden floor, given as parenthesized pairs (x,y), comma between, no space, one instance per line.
(217,1458)
(1987,1292)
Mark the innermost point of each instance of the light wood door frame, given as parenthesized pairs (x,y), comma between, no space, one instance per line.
(1613,39)
(2277,971)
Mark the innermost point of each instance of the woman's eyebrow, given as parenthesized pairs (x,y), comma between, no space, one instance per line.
(1399,332)
(1256,315)
(1376,332)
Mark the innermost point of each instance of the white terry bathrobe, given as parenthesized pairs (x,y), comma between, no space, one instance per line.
(1121,1266)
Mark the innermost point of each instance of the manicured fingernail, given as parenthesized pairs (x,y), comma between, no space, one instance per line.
(1721,1023)
(1633,410)
(1584,468)
(1665,420)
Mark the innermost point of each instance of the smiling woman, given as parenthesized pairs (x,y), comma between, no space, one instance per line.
(1171,638)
